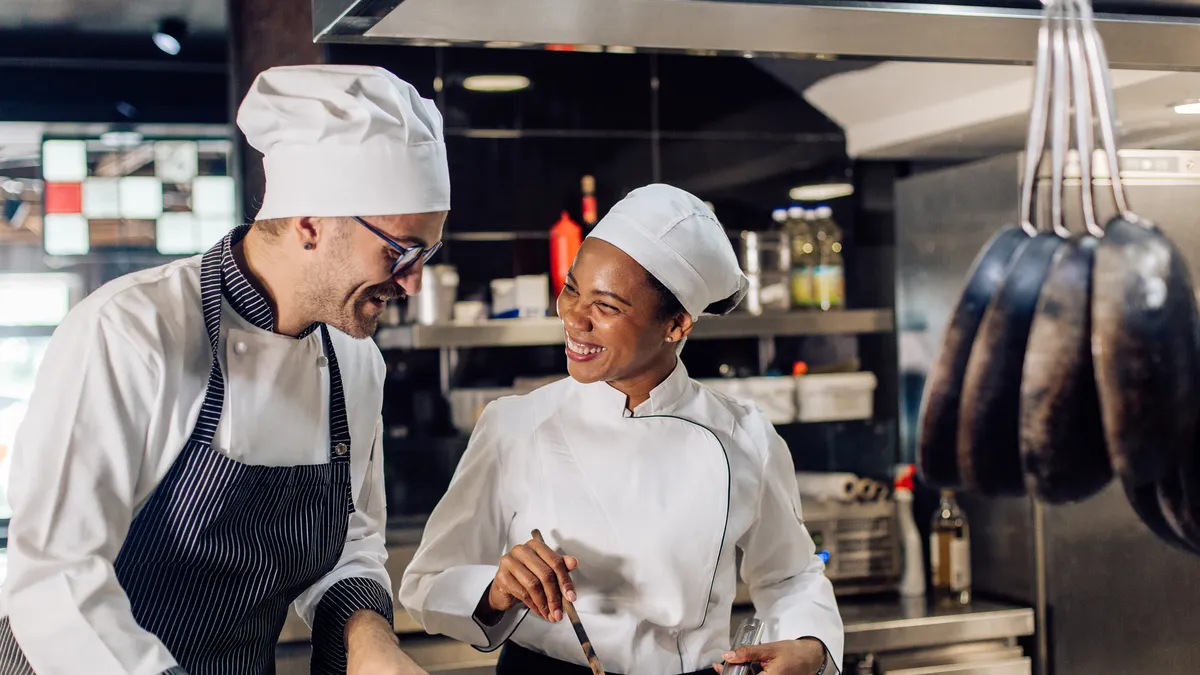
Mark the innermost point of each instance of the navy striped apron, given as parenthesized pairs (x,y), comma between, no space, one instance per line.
(221,549)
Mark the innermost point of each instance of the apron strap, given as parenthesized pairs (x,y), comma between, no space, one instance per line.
(214,397)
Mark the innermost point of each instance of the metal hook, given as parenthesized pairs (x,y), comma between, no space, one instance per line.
(1060,128)
(1084,122)
(1035,142)
(1106,106)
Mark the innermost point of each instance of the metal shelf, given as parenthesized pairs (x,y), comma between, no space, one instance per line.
(549,331)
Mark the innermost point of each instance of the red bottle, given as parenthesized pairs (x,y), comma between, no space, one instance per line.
(565,238)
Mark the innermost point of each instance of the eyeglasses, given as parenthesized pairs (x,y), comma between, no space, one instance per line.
(409,255)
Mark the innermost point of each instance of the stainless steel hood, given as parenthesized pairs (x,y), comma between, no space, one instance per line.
(1136,34)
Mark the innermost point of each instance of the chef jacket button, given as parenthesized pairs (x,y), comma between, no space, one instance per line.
(240,348)
(322,361)
(340,449)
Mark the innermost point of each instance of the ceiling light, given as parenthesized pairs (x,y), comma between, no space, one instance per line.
(1190,108)
(169,36)
(505,44)
(821,192)
(496,83)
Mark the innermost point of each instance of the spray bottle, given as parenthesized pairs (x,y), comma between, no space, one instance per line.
(912,580)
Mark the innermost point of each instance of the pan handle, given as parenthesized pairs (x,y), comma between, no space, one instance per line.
(1106,107)
(1061,122)
(1035,142)
(1084,121)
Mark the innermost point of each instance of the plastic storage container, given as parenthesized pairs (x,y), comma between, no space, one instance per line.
(835,397)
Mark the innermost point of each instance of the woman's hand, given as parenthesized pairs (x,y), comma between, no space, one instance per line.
(536,575)
(789,657)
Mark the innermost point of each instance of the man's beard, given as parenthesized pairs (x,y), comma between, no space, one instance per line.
(354,318)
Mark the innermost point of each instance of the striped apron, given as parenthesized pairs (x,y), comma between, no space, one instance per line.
(221,549)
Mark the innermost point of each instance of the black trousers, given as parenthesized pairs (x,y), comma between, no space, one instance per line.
(516,660)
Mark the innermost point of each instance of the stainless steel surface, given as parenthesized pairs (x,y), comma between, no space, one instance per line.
(1115,600)
(892,30)
(902,625)
(875,626)
(549,331)
(1018,666)
(971,652)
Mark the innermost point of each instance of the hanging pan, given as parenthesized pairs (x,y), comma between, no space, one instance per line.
(1144,343)
(1061,439)
(989,415)
(937,425)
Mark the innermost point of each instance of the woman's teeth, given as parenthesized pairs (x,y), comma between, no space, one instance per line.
(579,348)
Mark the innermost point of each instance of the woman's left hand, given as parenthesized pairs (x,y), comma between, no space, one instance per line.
(789,657)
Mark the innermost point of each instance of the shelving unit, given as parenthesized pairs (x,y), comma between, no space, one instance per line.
(549,331)
(448,338)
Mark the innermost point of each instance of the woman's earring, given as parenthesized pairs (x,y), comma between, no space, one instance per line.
(308,247)
(670,339)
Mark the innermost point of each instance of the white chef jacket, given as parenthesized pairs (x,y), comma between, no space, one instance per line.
(652,504)
(115,400)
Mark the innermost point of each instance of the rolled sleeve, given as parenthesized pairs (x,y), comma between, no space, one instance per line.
(339,603)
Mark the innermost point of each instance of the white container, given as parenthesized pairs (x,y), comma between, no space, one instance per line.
(775,396)
(470,311)
(504,296)
(533,295)
(730,386)
(835,397)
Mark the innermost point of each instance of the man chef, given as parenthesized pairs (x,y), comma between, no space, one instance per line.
(203,443)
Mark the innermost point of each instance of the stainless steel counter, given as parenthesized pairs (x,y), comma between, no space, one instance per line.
(871,628)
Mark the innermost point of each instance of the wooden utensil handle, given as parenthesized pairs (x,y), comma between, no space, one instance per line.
(588,651)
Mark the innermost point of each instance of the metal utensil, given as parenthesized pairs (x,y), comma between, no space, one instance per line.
(588,651)
(748,634)
(1063,455)
(989,415)
(937,426)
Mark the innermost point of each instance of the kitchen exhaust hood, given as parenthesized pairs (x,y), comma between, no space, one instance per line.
(1150,34)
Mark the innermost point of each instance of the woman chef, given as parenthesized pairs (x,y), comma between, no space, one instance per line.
(203,443)
(643,482)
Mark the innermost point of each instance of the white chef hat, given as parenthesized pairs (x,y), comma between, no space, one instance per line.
(345,141)
(676,237)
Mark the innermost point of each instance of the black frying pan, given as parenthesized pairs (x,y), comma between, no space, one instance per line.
(989,415)
(1144,346)
(937,425)
(1145,349)
(1063,455)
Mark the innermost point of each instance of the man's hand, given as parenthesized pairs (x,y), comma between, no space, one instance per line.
(372,648)
(789,657)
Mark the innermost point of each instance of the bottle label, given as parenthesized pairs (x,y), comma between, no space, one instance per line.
(828,285)
(802,286)
(960,565)
(934,557)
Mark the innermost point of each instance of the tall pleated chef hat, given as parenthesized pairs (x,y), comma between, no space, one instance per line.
(679,240)
(345,141)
